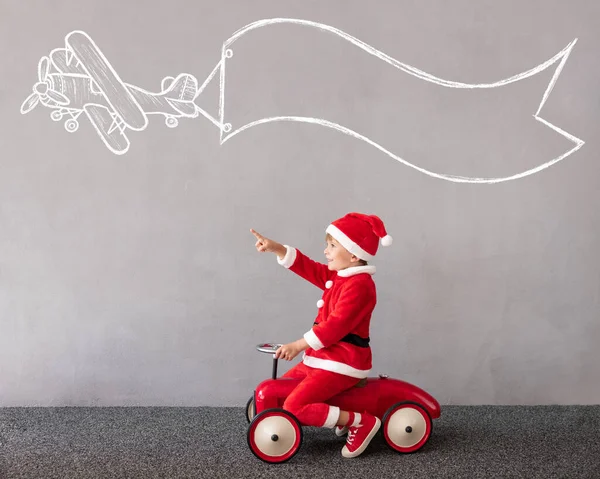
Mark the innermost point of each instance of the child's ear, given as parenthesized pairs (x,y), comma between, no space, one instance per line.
(354,259)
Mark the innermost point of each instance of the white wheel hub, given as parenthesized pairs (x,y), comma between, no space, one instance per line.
(406,427)
(275,436)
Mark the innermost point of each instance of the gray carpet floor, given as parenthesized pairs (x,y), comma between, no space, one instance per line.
(470,442)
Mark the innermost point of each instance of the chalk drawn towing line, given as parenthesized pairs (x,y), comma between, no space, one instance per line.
(85,82)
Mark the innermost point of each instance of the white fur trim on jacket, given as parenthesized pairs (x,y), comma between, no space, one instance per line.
(312,340)
(289,258)
(335,366)
(357,270)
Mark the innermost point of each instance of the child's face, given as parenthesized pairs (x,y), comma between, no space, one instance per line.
(338,257)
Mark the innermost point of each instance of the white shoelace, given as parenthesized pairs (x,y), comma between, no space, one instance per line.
(351,433)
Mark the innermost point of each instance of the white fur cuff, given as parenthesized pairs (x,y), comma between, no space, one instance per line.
(313,340)
(289,258)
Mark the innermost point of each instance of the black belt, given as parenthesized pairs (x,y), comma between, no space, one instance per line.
(354,339)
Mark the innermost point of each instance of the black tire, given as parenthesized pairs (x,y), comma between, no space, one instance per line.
(250,411)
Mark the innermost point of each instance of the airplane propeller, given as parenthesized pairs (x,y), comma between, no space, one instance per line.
(42,90)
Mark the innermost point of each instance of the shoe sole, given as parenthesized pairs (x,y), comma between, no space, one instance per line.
(367,441)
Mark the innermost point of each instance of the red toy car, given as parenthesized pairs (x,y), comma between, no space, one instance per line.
(275,435)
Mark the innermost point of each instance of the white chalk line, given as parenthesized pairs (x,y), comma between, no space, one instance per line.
(222,92)
(562,55)
(208,79)
(453,178)
(554,78)
(392,61)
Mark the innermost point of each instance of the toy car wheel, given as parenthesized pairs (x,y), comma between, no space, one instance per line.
(250,411)
(274,435)
(406,427)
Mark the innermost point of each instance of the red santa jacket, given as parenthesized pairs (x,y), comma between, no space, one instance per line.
(339,338)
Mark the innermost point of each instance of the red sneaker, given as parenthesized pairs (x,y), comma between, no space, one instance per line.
(360,436)
(341,430)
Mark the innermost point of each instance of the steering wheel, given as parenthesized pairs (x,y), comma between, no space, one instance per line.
(269,348)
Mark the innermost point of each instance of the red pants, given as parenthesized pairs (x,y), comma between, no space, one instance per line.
(307,400)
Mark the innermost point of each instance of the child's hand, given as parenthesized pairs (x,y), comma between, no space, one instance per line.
(291,350)
(266,245)
(287,352)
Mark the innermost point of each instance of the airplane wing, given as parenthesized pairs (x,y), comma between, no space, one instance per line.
(58,56)
(107,80)
(103,120)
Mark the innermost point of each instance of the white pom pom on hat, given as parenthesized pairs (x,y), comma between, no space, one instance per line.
(387,240)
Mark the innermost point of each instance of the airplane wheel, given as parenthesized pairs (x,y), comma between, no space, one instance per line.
(274,436)
(56,115)
(406,427)
(71,125)
(171,122)
(250,411)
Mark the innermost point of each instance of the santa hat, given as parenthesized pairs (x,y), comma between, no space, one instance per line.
(360,234)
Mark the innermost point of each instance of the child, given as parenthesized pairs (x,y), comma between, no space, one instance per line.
(336,349)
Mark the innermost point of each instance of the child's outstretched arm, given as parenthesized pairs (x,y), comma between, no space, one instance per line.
(312,271)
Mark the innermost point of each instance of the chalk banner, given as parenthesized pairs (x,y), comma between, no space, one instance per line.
(79,79)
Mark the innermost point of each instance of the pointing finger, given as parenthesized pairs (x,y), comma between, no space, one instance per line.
(258,236)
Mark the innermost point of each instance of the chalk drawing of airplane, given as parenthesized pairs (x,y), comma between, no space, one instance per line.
(79,79)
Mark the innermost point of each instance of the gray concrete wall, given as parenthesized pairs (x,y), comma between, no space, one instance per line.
(132,278)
